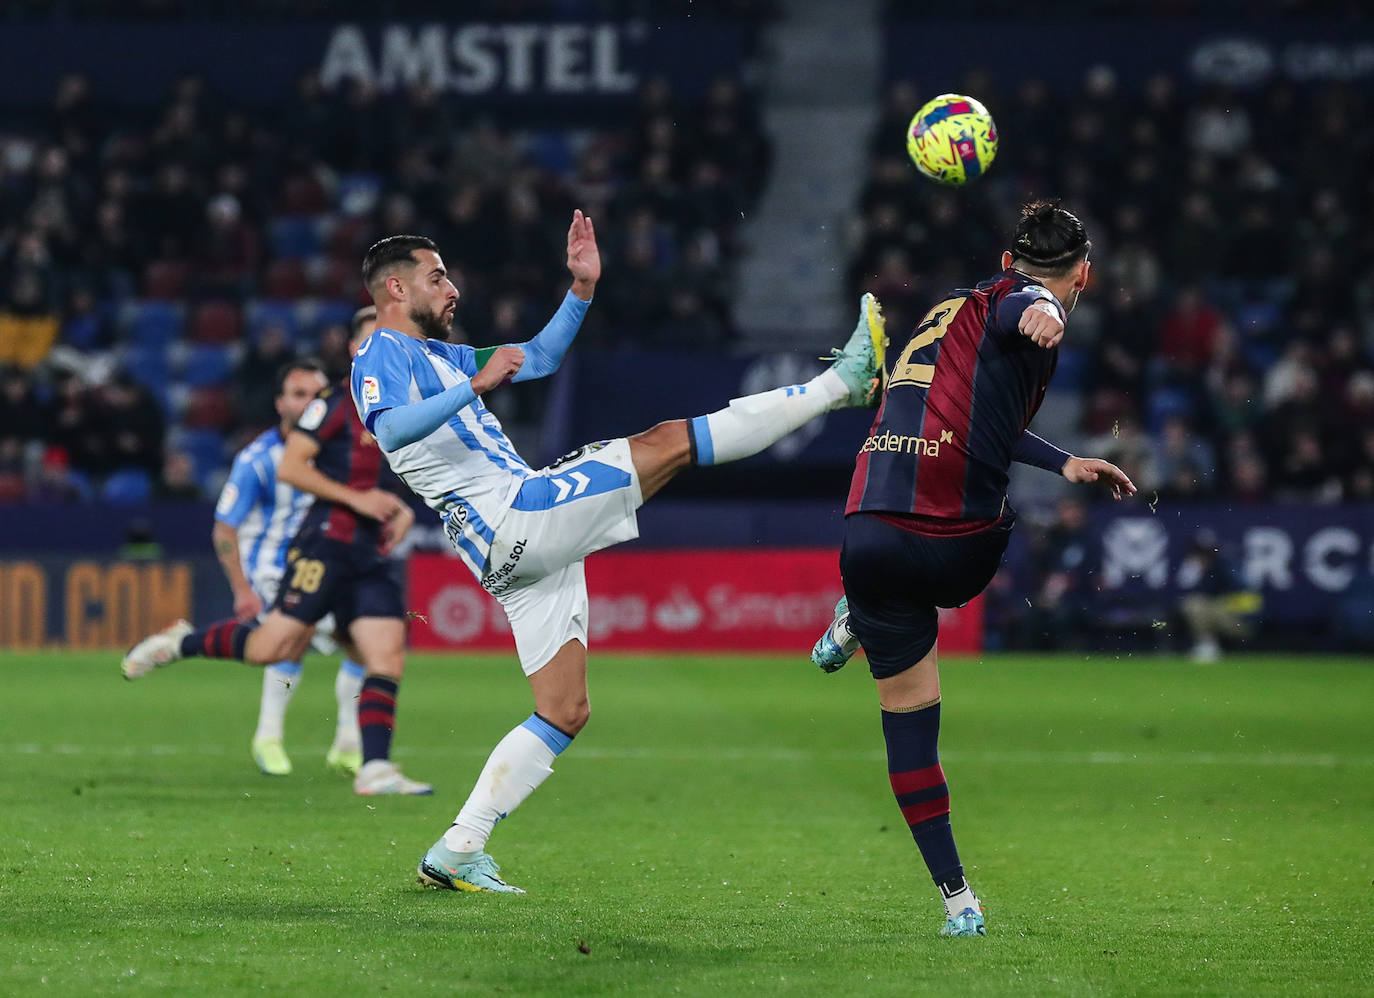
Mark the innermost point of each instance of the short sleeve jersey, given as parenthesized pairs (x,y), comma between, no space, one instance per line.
(265,512)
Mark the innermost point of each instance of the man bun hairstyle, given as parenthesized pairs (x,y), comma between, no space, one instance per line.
(386,253)
(1049,238)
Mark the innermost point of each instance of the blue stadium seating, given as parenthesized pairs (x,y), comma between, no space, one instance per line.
(148,365)
(294,237)
(1165,403)
(206,450)
(128,487)
(208,365)
(262,312)
(153,323)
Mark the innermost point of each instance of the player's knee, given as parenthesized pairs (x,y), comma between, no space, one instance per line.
(572,716)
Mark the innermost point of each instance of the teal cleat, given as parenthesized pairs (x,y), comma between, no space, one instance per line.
(968,922)
(859,363)
(837,645)
(447,870)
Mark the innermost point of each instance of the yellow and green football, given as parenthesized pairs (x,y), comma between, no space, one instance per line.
(952,139)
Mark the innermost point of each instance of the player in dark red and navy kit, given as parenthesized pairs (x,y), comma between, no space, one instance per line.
(336,564)
(928,520)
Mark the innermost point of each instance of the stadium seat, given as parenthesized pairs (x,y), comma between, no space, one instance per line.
(552,151)
(1165,403)
(206,448)
(260,314)
(348,239)
(148,365)
(303,194)
(215,322)
(152,323)
(337,277)
(209,364)
(128,487)
(208,408)
(164,280)
(356,194)
(294,237)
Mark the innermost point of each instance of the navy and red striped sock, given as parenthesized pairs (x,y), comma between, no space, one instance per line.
(913,766)
(227,639)
(377,716)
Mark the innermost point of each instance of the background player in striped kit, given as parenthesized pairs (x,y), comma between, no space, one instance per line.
(337,564)
(927,519)
(256,519)
(524,533)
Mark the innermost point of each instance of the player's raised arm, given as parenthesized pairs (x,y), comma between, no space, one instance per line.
(545,351)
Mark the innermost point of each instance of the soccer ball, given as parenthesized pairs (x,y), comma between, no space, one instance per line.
(952,139)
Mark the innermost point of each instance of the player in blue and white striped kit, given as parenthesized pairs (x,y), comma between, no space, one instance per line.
(255,520)
(524,532)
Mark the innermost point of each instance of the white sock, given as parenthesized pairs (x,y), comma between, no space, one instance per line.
(756,422)
(279,682)
(519,763)
(956,903)
(348,686)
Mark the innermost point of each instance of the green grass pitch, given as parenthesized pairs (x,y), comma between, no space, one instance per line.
(724,826)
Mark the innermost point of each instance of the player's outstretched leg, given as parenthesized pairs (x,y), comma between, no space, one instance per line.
(838,644)
(279,683)
(278,638)
(756,422)
(155,651)
(346,752)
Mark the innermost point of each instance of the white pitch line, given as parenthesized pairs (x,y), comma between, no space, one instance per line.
(1317,760)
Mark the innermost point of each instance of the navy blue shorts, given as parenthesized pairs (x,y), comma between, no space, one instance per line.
(896,578)
(326,576)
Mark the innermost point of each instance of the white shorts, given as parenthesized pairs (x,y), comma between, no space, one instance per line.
(581,503)
(547,614)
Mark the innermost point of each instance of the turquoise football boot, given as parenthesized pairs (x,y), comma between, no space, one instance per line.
(837,645)
(967,923)
(859,363)
(445,869)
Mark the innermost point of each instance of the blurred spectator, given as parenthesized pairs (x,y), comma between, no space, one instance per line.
(178,478)
(1219,607)
(29,296)
(1189,334)
(133,428)
(1062,608)
(255,378)
(1185,461)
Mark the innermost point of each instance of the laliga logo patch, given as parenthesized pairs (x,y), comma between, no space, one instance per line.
(227,498)
(314,415)
(372,392)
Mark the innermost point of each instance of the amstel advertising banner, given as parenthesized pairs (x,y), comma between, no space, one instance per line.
(707,601)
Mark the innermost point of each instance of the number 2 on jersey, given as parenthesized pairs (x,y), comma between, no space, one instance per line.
(932,328)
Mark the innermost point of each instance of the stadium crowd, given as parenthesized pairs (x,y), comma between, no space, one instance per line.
(154,273)
(1226,347)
